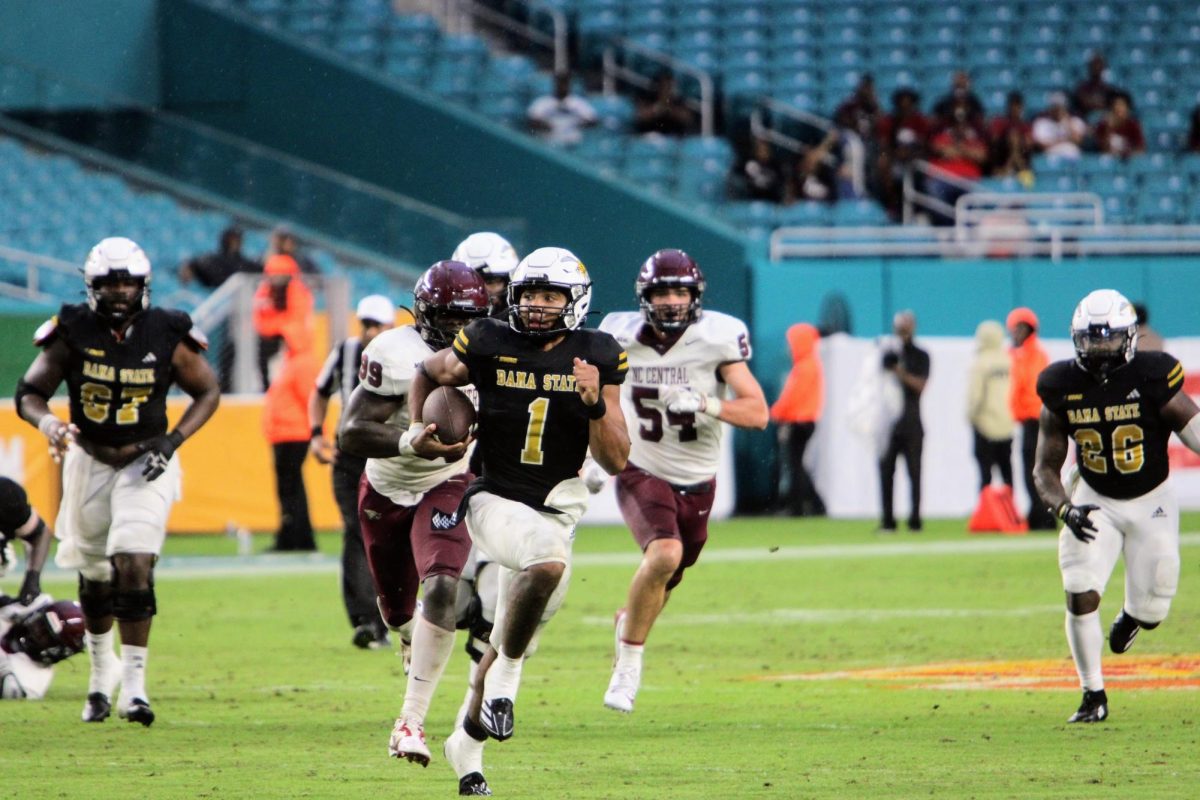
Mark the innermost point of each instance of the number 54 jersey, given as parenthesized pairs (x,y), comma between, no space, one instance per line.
(1117,426)
(682,449)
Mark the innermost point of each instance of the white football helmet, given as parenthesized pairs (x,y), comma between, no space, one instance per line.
(1104,330)
(116,258)
(488,253)
(556,268)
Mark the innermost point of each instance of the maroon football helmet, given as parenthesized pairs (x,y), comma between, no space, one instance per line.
(48,633)
(448,296)
(670,268)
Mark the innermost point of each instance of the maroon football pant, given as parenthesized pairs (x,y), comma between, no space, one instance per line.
(654,509)
(407,544)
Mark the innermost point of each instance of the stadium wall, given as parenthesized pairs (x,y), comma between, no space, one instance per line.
(58,54)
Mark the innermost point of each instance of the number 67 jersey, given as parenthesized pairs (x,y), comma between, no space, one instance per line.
(1117,426)
(682,449)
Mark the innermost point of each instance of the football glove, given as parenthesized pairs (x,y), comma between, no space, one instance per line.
(1076,518)
(160,450)
(683,400)
(594,476)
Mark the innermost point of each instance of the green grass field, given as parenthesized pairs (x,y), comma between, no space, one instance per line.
(260,695)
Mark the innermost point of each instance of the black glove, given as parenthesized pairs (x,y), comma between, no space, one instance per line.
(31,587)
(160,448)
(1076,518)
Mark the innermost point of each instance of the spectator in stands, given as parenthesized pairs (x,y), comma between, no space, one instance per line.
(960,96)
(960,150)
(796,412)
(1193,140)
(559,118)
(1094,93)
(1148,339)
(1011,139)
(861,112)
(902,137)
(991,419)
(1119,133)
(760,176)
(283,242)
(663,110)
(283,306)
(212,270)
(1029,358)
(814,175)
(1057,131)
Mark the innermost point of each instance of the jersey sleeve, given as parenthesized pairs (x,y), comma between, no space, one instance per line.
(328,378)
(730,339)
(180,324)
(388,365)
(610,358)
(1164,377)
(475,343)
(1051,387)
(58,326)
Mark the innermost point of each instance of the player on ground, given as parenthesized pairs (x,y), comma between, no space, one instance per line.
(408,504)
(548,389)
(119,357)
(491,255)
(1120,407)
(681,362)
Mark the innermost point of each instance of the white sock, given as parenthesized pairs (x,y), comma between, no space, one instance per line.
(1087,642)
(133,672)
(101,656)
(430,652)
(471,751)
(503,677)
(630,655)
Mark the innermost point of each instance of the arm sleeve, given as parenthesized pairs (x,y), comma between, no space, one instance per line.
(610,358)
(472,345)
(390,369)
(328,378)
(1165,378)
(734,341)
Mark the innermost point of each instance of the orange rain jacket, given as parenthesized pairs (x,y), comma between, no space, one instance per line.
(1028,361)
(803,395)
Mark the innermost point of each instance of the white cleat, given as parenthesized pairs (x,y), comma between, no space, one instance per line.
(408,742)
(623,688)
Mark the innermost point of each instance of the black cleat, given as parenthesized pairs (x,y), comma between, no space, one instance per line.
(371,637)
(497,718)
(1122,633)
(138,711)
(97,708)
(473,785)
(1094,707)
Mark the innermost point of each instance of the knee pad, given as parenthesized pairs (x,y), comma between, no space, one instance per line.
(1152,607)
(134,605)
(95,598)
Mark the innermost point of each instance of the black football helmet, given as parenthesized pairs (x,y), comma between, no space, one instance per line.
(48,633)
(448,295)
(670,268)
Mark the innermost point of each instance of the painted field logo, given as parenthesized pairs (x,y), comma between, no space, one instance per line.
(1139,672)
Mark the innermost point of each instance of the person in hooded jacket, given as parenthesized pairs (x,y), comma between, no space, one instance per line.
(796,412)
(987,404)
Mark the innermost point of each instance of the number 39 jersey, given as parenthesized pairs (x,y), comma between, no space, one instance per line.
(682,449)
(389,363)
(1119,433)
(533,426)
(118,387)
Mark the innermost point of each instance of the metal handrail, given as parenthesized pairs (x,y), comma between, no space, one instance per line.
(613,71)
(852,142)
(460,14)
(912,196)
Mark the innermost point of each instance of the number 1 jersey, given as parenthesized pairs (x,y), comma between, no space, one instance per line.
(682,449)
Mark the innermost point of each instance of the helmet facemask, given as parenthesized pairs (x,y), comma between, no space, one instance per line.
(439,325)
(670,317)
(106,298)
(1100,349)
(560,318)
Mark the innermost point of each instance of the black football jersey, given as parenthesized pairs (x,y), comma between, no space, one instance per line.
(533,424)
(118,387)
(1119,433)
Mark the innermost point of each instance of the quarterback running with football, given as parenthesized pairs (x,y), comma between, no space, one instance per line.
(407,504)
(119,357)
(548,390)
(1120,407)
(682,363)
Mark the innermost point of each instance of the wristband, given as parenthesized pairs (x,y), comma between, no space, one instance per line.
(1061,511)
(317,430)
(176,438)
(46,422)
(414,430)
(598,410)
(712,406)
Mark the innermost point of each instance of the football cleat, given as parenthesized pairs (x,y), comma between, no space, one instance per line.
(496,715)
(408,742)
(1122,633)
(1094,707)
(623,688)
(473,785)
(371,637)
(138,710)
(97,708)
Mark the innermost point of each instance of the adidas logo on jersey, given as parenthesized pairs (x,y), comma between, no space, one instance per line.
(442,521)
(1134,395)
(150,358)
(1158,513)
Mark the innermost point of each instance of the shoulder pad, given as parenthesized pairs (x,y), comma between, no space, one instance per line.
(45,332)
(196,338)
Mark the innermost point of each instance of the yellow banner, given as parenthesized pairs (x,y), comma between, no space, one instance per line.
(228,476)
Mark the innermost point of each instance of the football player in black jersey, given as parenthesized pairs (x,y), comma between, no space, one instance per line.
(119,357)
(548,390)
(1120,407)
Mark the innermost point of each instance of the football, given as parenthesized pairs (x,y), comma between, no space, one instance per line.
(452,412)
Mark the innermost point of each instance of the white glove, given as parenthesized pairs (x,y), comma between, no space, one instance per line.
(594,476)
(683,400)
